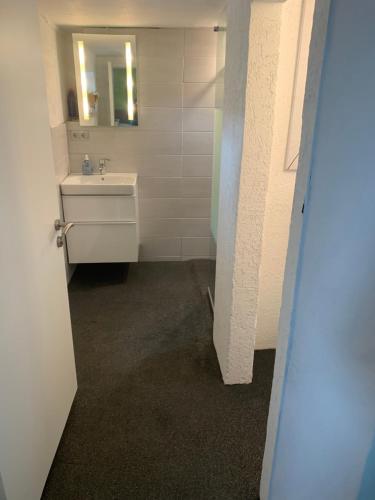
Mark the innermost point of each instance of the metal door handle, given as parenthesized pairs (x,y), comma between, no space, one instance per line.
(64,226)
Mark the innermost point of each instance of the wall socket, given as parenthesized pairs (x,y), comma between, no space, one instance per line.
(79,135)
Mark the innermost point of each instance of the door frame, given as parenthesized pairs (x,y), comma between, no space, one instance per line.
(315,65)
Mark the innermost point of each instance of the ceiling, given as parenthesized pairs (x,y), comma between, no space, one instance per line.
(163,13)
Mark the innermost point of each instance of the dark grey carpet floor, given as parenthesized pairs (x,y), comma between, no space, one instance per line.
(152,418)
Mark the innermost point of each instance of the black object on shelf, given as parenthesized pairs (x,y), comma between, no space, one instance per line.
(72,105)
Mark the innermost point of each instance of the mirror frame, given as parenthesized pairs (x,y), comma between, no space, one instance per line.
(85,118)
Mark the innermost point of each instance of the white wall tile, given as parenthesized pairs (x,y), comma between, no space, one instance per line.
(161,95)
(161,166)
(128,142)
(197,187)
(100,140)
(195,227)
(198,119)
(60,151)
(160,247)
(61,168)
(160,42)
(161,228)
(169,208)
(146,165)
(168,119)
(196,247)
(148,142)
(197,166)
(164,228)
(200,42)
(159,187)
(200,69)
(197,143)
(160,70)
(59,140)
(117,163)
(195,207)
(161,208)
(198,95)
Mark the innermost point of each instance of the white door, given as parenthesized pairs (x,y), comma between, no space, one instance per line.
(37,369)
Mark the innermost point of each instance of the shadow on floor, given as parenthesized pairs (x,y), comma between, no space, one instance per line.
(152,418)
(96,275)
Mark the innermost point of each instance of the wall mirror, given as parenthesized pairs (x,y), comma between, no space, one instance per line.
(106,78)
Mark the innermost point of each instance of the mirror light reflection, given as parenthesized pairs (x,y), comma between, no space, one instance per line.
(106,76)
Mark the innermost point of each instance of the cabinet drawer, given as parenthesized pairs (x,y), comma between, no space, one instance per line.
(99,208)
(102,242)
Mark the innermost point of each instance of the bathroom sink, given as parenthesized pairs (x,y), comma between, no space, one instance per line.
(106,184)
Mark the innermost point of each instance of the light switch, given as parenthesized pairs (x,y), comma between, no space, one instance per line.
(80,135)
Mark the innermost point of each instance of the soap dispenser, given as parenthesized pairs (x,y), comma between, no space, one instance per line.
(87,168)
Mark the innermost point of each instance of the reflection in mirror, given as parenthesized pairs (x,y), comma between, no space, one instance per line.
(106,77)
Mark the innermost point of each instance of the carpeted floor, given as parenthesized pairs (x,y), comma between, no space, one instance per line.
(152,418)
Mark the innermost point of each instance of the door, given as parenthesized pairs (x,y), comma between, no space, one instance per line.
(37,369)
(325,446)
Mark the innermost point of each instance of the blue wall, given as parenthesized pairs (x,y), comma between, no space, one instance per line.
(325,448)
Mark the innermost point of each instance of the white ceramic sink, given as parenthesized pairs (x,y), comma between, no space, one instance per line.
(106,184)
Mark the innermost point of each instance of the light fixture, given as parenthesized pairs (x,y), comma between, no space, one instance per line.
(129,79)
(82,67)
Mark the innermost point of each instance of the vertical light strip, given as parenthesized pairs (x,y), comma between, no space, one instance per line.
(129,79)
(82,67)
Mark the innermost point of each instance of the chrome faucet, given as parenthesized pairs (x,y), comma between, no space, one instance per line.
(102,166)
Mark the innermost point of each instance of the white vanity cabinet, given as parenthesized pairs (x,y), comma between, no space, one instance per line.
(104,226)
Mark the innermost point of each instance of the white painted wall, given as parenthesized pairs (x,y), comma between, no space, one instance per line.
(281,182)
(250,87)
(172,149)
(255,216)
(325,424)
(162,13)
(238,19)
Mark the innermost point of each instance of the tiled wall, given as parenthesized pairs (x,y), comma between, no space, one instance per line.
(173,146)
